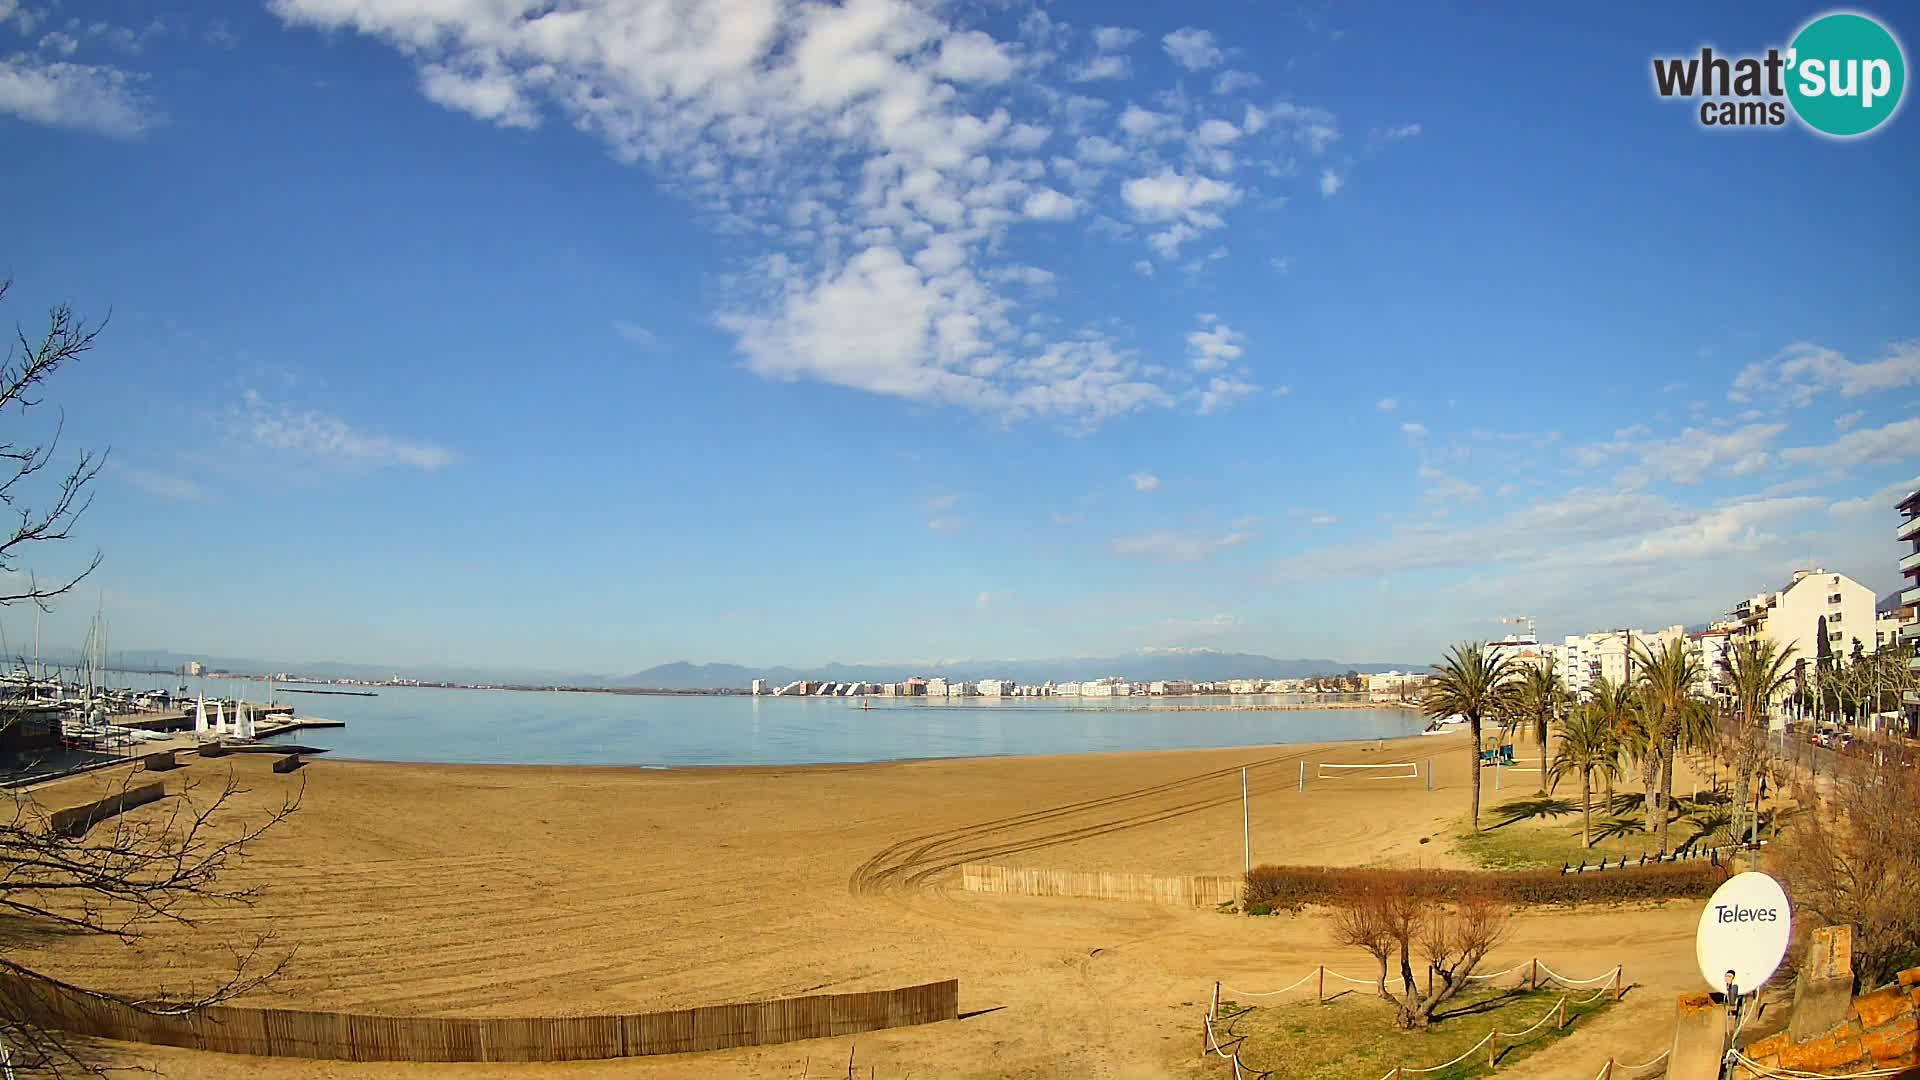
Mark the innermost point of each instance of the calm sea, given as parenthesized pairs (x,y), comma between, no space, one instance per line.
(536,728)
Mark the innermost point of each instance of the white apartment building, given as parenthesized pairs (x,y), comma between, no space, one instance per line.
(1395,685)
(996,687)
(1711,646)
(759,687)
(1585,659)
(936,688)
(1886,631)
(1814,602)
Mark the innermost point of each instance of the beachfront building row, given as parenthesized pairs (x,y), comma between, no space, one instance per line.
(1392,686)
(1908,535)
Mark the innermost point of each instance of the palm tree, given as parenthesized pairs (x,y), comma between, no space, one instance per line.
(1758,672)
(1540,697)
(1588,744)
(1474,683)
(1676,717)
(1615,703)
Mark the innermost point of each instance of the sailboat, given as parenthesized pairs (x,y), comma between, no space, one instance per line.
(200,716)
(244,726)
(219,720)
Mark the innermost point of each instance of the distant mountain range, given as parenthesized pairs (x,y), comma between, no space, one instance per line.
(1197,665)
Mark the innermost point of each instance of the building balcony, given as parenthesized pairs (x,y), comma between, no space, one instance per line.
(1911,564)
(1909,529)
(1910,597)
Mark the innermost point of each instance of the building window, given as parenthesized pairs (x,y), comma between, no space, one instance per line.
(1833,618)
(1834,599)
(1835,636)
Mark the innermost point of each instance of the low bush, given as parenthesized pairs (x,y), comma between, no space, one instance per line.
(1293,887)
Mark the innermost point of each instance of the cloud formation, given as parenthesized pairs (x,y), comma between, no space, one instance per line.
(95,98)
(331,440)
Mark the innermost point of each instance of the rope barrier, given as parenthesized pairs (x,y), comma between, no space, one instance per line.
(1271,993)
(1559,978)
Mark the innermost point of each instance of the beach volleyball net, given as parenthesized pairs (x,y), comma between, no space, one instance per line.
(1393,770)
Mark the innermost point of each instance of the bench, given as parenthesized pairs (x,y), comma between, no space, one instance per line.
(159,762)
(287,764)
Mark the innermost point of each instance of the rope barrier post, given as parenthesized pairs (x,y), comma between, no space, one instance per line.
(1320,995)
(1429,774)
(1493,1051)
(1562,1008)
(1607,1072)
(1303,777)
(1619,982)
(1534,983)
(1215,1011)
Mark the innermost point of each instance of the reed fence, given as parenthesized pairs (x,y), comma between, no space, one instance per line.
(231,1029)
(1189,890)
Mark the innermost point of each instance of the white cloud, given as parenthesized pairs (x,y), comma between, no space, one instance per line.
(973,57)
(1027,136)
(1147,124)
(1802,371)
(1847,421)
(946,525)
(635,333)
(1220,392)
(1214,345)
(1414,431)
(1233,82)
(1145,481)
(1095,150)
(165,485)
(941,503)
(1387,404)
(983,601)
(85,97)
(1444,487)
(1143,268)
(1404,131)
(1190,200)
(1215,133)
(1880,503)
(1178,545)
(879,160)
(1282,263)
(483,88)
(1322,520)
(1047,204)
(330,440)
(1896,442)
(1330,183)
(1101,68)
(1689,457)
(1192,48)
(64,44)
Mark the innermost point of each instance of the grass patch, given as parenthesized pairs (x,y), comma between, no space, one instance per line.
(1535,831)
(1352,1037)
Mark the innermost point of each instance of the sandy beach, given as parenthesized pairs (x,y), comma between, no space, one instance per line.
(516,890)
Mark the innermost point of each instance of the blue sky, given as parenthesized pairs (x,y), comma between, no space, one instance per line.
(784,332)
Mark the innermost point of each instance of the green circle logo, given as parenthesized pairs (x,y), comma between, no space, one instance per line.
(1845,74)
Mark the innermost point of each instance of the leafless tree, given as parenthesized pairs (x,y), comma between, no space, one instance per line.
(1852,858)
(163,863)
(29,362)
(1395,920)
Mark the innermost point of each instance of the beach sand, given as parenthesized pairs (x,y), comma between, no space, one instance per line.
(493,891)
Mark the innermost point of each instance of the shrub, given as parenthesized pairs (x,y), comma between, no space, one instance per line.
(1293,887)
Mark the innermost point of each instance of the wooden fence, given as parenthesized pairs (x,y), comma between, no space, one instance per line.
(1191,891)
(76,820)
(232,1029)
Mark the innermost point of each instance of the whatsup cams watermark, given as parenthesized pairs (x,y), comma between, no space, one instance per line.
(1843,75)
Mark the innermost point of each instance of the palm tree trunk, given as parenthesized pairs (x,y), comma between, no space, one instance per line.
(1742,785)
(1473,724)
(1666,794)
(1540,732)
(1586,808)
(1650,783)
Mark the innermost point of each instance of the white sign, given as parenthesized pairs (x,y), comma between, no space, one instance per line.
(1743,930)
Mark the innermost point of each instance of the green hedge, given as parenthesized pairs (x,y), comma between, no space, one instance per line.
(1293,887)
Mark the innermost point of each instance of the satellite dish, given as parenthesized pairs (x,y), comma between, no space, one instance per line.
(1744,929)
